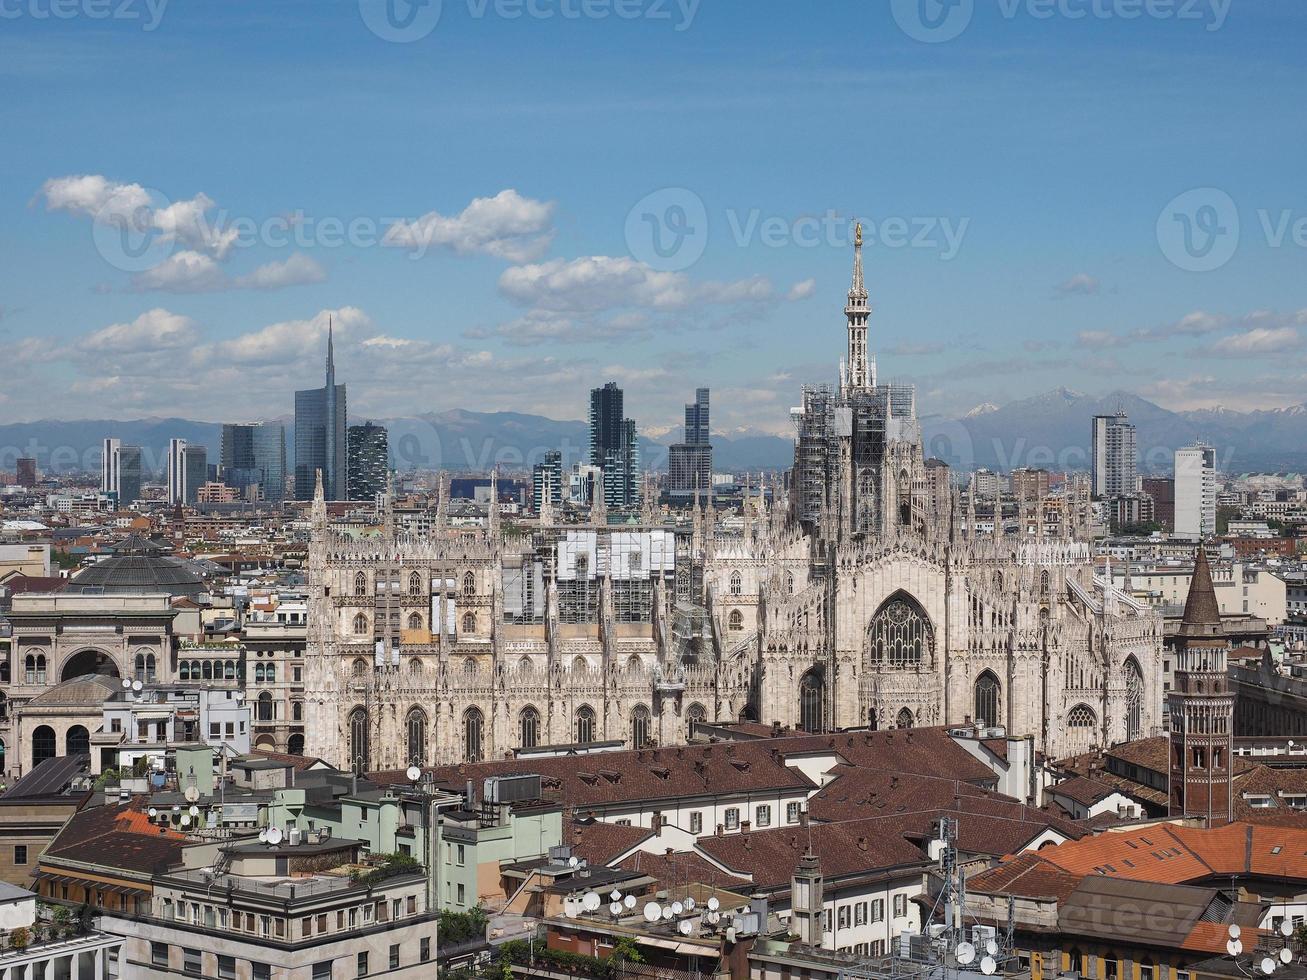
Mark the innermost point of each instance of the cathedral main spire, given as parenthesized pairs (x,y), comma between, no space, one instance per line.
(860,372)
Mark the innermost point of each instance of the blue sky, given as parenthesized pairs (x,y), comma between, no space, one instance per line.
(1022,183)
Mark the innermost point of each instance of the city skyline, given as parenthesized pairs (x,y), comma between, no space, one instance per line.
(1056,277)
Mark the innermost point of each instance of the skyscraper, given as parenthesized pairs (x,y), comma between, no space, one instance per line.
(195,472)
(109,466)
(614,447)
(321,439)
(1195,491)
(26,472)
(369,459)
(1115,456)
(127,470)
(689,463)
(253,459)
(547,481)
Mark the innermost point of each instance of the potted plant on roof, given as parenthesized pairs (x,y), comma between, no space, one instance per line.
(20,938)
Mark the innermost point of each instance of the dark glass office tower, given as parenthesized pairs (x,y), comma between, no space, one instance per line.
(369,459)
(320,436)
(253,455)
(696,419)
(689,463)
(614,447)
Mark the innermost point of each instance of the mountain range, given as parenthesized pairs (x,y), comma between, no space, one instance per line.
(1050,430)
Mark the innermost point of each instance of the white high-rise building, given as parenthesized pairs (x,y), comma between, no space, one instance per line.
(1195,491)
(1115,456)
(109,466)
(176,471)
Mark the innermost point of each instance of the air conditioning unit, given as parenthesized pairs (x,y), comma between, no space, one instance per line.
(294,836)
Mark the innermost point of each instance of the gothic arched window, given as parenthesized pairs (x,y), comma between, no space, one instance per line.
(469,584)
(900,635)
(585,725)
(640,724)
(528,728)
(469,623)
(414,621)
(735,622)
(1044,581)
(470,666)
(360,625)
(415,584)
(360,667)
(812,701)
(737,584)
(358,739)
(473,735)
(789,583)
(416,729)
(1134,700)
(696,714)
(987,698)
(360,584)
(904,719)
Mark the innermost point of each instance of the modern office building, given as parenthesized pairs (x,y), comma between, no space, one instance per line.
(25,472)
(187,471)
(369,461)
(1162,490)
(127,472)
(689,463)
(1114,455)
(614,447)
(253,460)
(109,466)
(1195,491)
(547,481)
(321,437)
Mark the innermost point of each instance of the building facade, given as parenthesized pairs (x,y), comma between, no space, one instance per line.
(1115,456)
(1195,491)
(614,447)
(369,461)
(253,458)
(321,438)
(862,597)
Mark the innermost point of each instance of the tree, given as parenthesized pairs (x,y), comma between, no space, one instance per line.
(20,938)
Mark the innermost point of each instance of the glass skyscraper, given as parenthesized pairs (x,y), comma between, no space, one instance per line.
(614,447)
(253,457)
(369,459)
(321,438)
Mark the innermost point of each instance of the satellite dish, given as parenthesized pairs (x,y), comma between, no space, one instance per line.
(966,953)
(186,819)
(1233,947)
(615,908)
(677,908)
(413,773)
(652,912)
(591,901)
(1268,965)
(263,837)
(274,835)
(1234,932)
(991,947)
(153,812)
(988,966)
(629,901)
(137,685)
(685,926)
(667,912)
(572,862)
(192,794)
(714,917)
(689,905)
(614,896)
(1286,928)
(1286,956)
(713,904)
(127,683)
(194,811)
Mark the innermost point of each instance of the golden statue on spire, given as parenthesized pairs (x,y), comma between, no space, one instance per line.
(857,235)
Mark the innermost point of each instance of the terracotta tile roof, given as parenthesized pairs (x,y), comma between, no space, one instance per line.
(298,762)
(678,869)
(854,847)
(601,843)
(1083,790)
(117,837)
(1026,875)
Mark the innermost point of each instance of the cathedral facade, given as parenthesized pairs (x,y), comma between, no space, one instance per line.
(865,591)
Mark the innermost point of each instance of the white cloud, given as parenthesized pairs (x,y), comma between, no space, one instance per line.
(1258,341)
(93,196)
(1081,284)
(289,340)
(802,290)
(154,330)
(601,282)
(182,272)
(298,270)
(506,226)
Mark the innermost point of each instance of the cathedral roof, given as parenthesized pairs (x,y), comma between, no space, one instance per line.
(1202,613)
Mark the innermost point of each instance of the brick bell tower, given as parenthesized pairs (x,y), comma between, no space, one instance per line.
(1202,709)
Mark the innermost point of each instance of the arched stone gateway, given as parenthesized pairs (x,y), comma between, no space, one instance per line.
(89,661)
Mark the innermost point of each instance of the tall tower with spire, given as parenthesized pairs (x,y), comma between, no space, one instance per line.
(1202,709)
(861,368)
(320,434)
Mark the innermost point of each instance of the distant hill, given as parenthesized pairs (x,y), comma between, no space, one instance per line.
(1049,430)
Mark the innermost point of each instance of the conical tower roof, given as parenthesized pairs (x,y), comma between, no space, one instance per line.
(1202,613)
